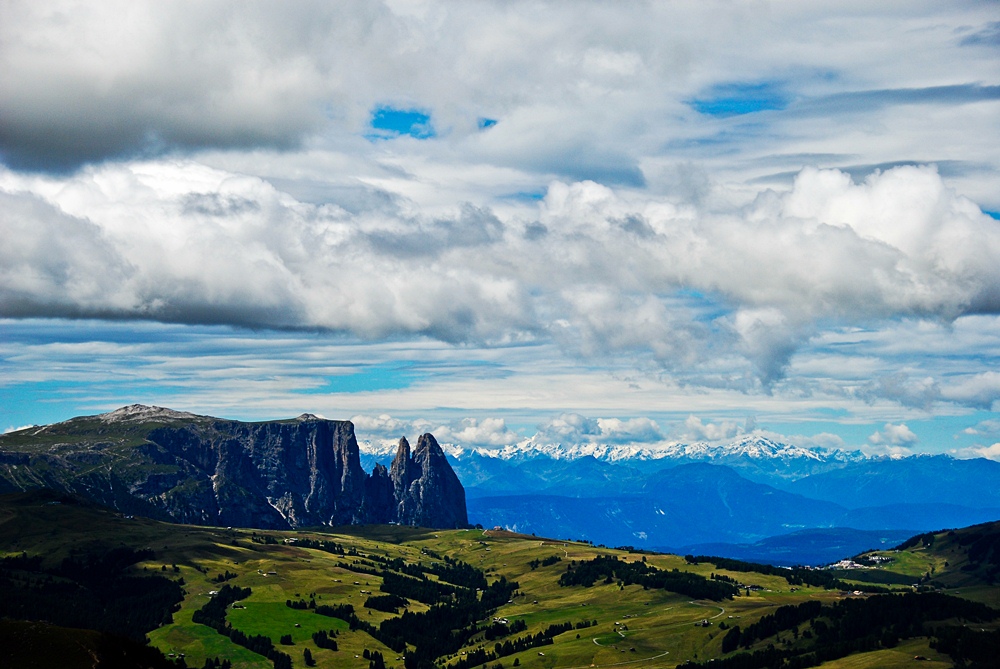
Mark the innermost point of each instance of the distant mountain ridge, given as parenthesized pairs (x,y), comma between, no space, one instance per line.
(746,495)
(755,456)
(750,446)
(182,467)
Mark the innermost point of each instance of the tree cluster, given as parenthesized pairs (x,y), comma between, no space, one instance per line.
(91,589)
(213,614)
(324,639)
(444,628)
(386,603)
(609,568)
(321,545)
(855,625)
(482,656)
(551,560)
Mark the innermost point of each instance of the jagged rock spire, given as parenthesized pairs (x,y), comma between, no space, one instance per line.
(427,490)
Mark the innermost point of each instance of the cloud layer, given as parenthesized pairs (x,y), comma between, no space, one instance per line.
(601,272)
(755,209)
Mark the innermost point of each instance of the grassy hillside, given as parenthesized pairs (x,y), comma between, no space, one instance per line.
(612,622)
(962,561)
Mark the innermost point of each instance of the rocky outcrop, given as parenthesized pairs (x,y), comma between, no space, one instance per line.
(201,470)
(425,485)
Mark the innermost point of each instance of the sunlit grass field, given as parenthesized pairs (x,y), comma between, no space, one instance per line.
(630,626)
(634,627)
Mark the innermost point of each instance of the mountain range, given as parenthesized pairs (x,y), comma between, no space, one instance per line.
(754,498)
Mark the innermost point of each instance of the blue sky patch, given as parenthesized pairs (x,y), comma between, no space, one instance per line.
(736,99)
(992,214)
(526,195)
(392,376)
(388,122)
(485,123)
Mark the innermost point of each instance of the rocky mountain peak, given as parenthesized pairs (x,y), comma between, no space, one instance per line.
(426,486)
(402,450)
(141,413)
(427,446)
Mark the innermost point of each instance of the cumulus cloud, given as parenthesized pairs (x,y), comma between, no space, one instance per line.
(573,428)
(570,428)
(899,387)
(986,427)
(475,432)
(825,440)
(615,274)
(631,431)
(146,78)
(978,390)
(585,184)
(893,435)
(465,432)
(696,430)
(382,426)
(52,262)
(991,452)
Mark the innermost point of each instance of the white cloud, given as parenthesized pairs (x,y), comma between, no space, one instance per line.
(991,452)
(978,390)
(630,431)
(899,387)
(573,429)
(826,440)
(464,432)
(568,428)
(696,430)
(474,432)
(149,78)
(893,435)
(986,427)
(382,426)
(215,170)
(183,242)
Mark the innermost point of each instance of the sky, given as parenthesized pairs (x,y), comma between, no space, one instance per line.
(588,222)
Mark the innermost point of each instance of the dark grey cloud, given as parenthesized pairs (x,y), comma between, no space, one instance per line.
(88,82)
(68,141)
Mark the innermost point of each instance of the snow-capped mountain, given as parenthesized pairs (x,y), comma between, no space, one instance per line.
(740,492)
(754,453)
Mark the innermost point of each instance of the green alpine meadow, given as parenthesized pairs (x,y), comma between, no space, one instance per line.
(399,596)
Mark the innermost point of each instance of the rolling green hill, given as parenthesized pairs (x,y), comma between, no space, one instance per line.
(465,598)
(962,561)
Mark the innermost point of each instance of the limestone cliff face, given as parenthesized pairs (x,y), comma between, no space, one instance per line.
(426,488)
(201,470)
